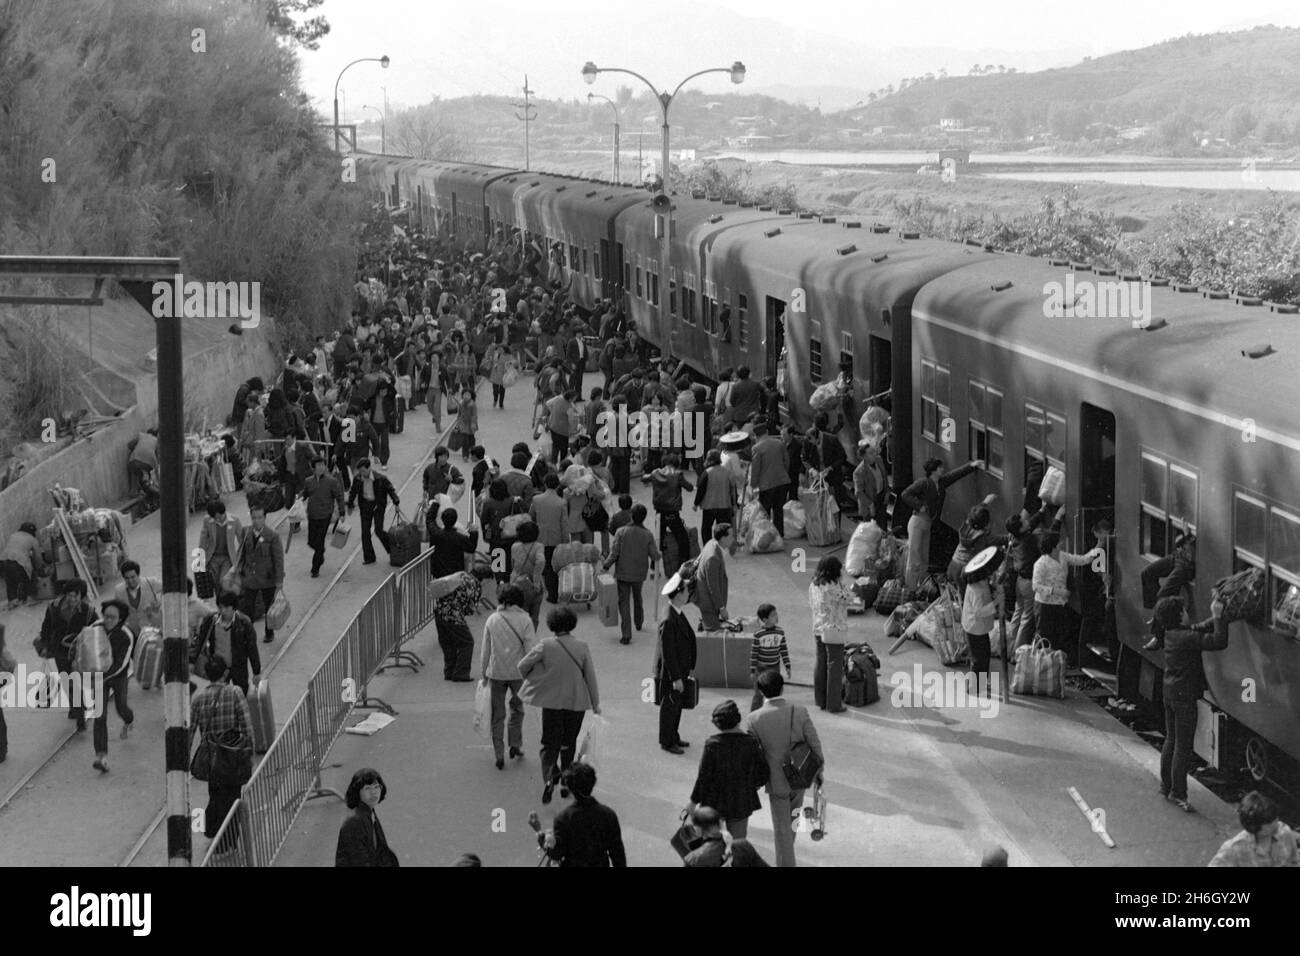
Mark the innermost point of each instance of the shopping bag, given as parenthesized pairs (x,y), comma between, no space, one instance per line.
(823,524)
(686,838)
(892,593)
(1039,670)
(510,377)
(592,747)
(232,580)
(297,515)
(277,615)
(339,537)
(453,403)
(483,709)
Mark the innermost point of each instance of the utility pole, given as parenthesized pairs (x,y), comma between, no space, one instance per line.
(527,119)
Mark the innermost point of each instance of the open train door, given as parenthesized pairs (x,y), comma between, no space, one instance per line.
(1098,642)
(774,340)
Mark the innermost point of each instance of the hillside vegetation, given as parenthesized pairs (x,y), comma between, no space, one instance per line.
(123,133)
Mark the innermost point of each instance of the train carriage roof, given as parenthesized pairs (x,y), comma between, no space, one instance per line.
(1198,350)
(875,271)
(570,197)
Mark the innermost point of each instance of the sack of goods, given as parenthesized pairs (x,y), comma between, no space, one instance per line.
(577,584)
(761,536)
(1244,596)
(1052,490)
(827,396)
(440,588)
(892,593)
(863,544)
(1287,614)
(939,626)
(796,521)
(867,588)
(511,376)
(873,424)
(1039,670)
(574,552)
(902,616)
(93,653)
(404,542)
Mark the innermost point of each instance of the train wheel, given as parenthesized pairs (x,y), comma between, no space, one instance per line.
(1257,759)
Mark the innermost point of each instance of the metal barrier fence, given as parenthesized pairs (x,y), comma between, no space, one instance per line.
(288,776)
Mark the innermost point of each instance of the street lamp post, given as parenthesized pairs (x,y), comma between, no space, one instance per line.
(618,167)
(383,137)
(737,72)
(382,61)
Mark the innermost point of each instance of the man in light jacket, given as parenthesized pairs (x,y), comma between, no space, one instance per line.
(508,635)
(141,595)
(548,511)
(779,725)
(632,556)
(711,578)
(219,540)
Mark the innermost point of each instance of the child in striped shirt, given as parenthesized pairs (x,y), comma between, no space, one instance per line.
(768,652)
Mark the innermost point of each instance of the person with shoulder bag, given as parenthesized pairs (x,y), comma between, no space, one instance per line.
(219,716)
(508,635)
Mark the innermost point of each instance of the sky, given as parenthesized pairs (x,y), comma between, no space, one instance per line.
(456,49)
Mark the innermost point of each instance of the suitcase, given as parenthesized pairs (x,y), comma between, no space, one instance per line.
(607,600)
(403,543)
(577,584)
(722,660)
(262,713)
(148,658)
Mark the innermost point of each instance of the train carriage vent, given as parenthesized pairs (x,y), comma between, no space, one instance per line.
(746,204)
(852,223)
(807,215)
(1215,294)
(1284,308)
(728,202)
(827,220)
(764,208)
(785,212)
(772,233)
(1184,287)
(1001,286)
(879,227)
(1060,263)
(1105,272)
(715,219)
(910,235)
(1249,300)
(846,250)
(880,257)
(697,193)
(1081,266)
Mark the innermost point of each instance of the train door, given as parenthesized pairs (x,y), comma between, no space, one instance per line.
(880,369)
(455,216)
(1096,470)
(775,341)
(603,267)
(620,273)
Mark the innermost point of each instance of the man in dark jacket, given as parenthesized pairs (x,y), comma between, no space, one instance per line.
(344,351)
(449,545)
(732,768)
(440,475)
(253,387)
(769,474)
(745,398)
(374,490)
(587,832)
(323,493)
(232,635)
(632,556)
(925,497)
(1184,683)
(63,621)
(1178,571)
(675,661)
(261,566)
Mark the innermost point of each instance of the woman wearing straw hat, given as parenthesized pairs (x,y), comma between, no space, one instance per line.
(980,610)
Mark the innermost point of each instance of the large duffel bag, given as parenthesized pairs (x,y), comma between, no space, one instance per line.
(1243,595)
(1039,670)
(861,670)
(577,584)
(403,542)
(574,552)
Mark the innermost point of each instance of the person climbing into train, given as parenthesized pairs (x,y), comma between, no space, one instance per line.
(925,498)
(1178,569)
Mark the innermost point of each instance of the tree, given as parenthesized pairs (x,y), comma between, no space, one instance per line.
(424,134)
(975,70)
(1013,124)
(306,34)
(957,109)
(1001,68)
(1272,131)
(871,98)
(1240,121)
(903,116)
(1176,129)
(1067,121)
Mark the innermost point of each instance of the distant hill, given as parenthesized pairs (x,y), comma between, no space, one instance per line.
(1228,84)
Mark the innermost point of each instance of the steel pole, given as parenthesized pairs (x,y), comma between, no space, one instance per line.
(617,157)
(336,118)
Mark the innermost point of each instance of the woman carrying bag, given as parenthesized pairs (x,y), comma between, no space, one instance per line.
(559,677)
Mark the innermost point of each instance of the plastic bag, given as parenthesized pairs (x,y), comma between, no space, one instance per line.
(863,545)
(277,615)
(796,521)
(298,513)
(483,709)
(761,536)
(510,377)
(592,747)
(1052,490)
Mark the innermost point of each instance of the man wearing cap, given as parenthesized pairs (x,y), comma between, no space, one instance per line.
(674,663)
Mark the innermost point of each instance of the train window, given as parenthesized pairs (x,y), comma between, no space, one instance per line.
(815,354)
(688,305)
(653,279)
(1168,503)
(742,319)
(1044,437)
(672,294)
(846,348)
(595,261)
(927,400)
(640,293)
(706,312)
(627,277)
(985,429)
(573,256)
(1266,536)
(1250,529)
(585,270)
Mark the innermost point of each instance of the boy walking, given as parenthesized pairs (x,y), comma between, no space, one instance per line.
(768,652)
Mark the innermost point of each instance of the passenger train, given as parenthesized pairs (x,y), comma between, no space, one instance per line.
(1185,420)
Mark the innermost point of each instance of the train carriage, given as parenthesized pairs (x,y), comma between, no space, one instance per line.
(1187,424)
